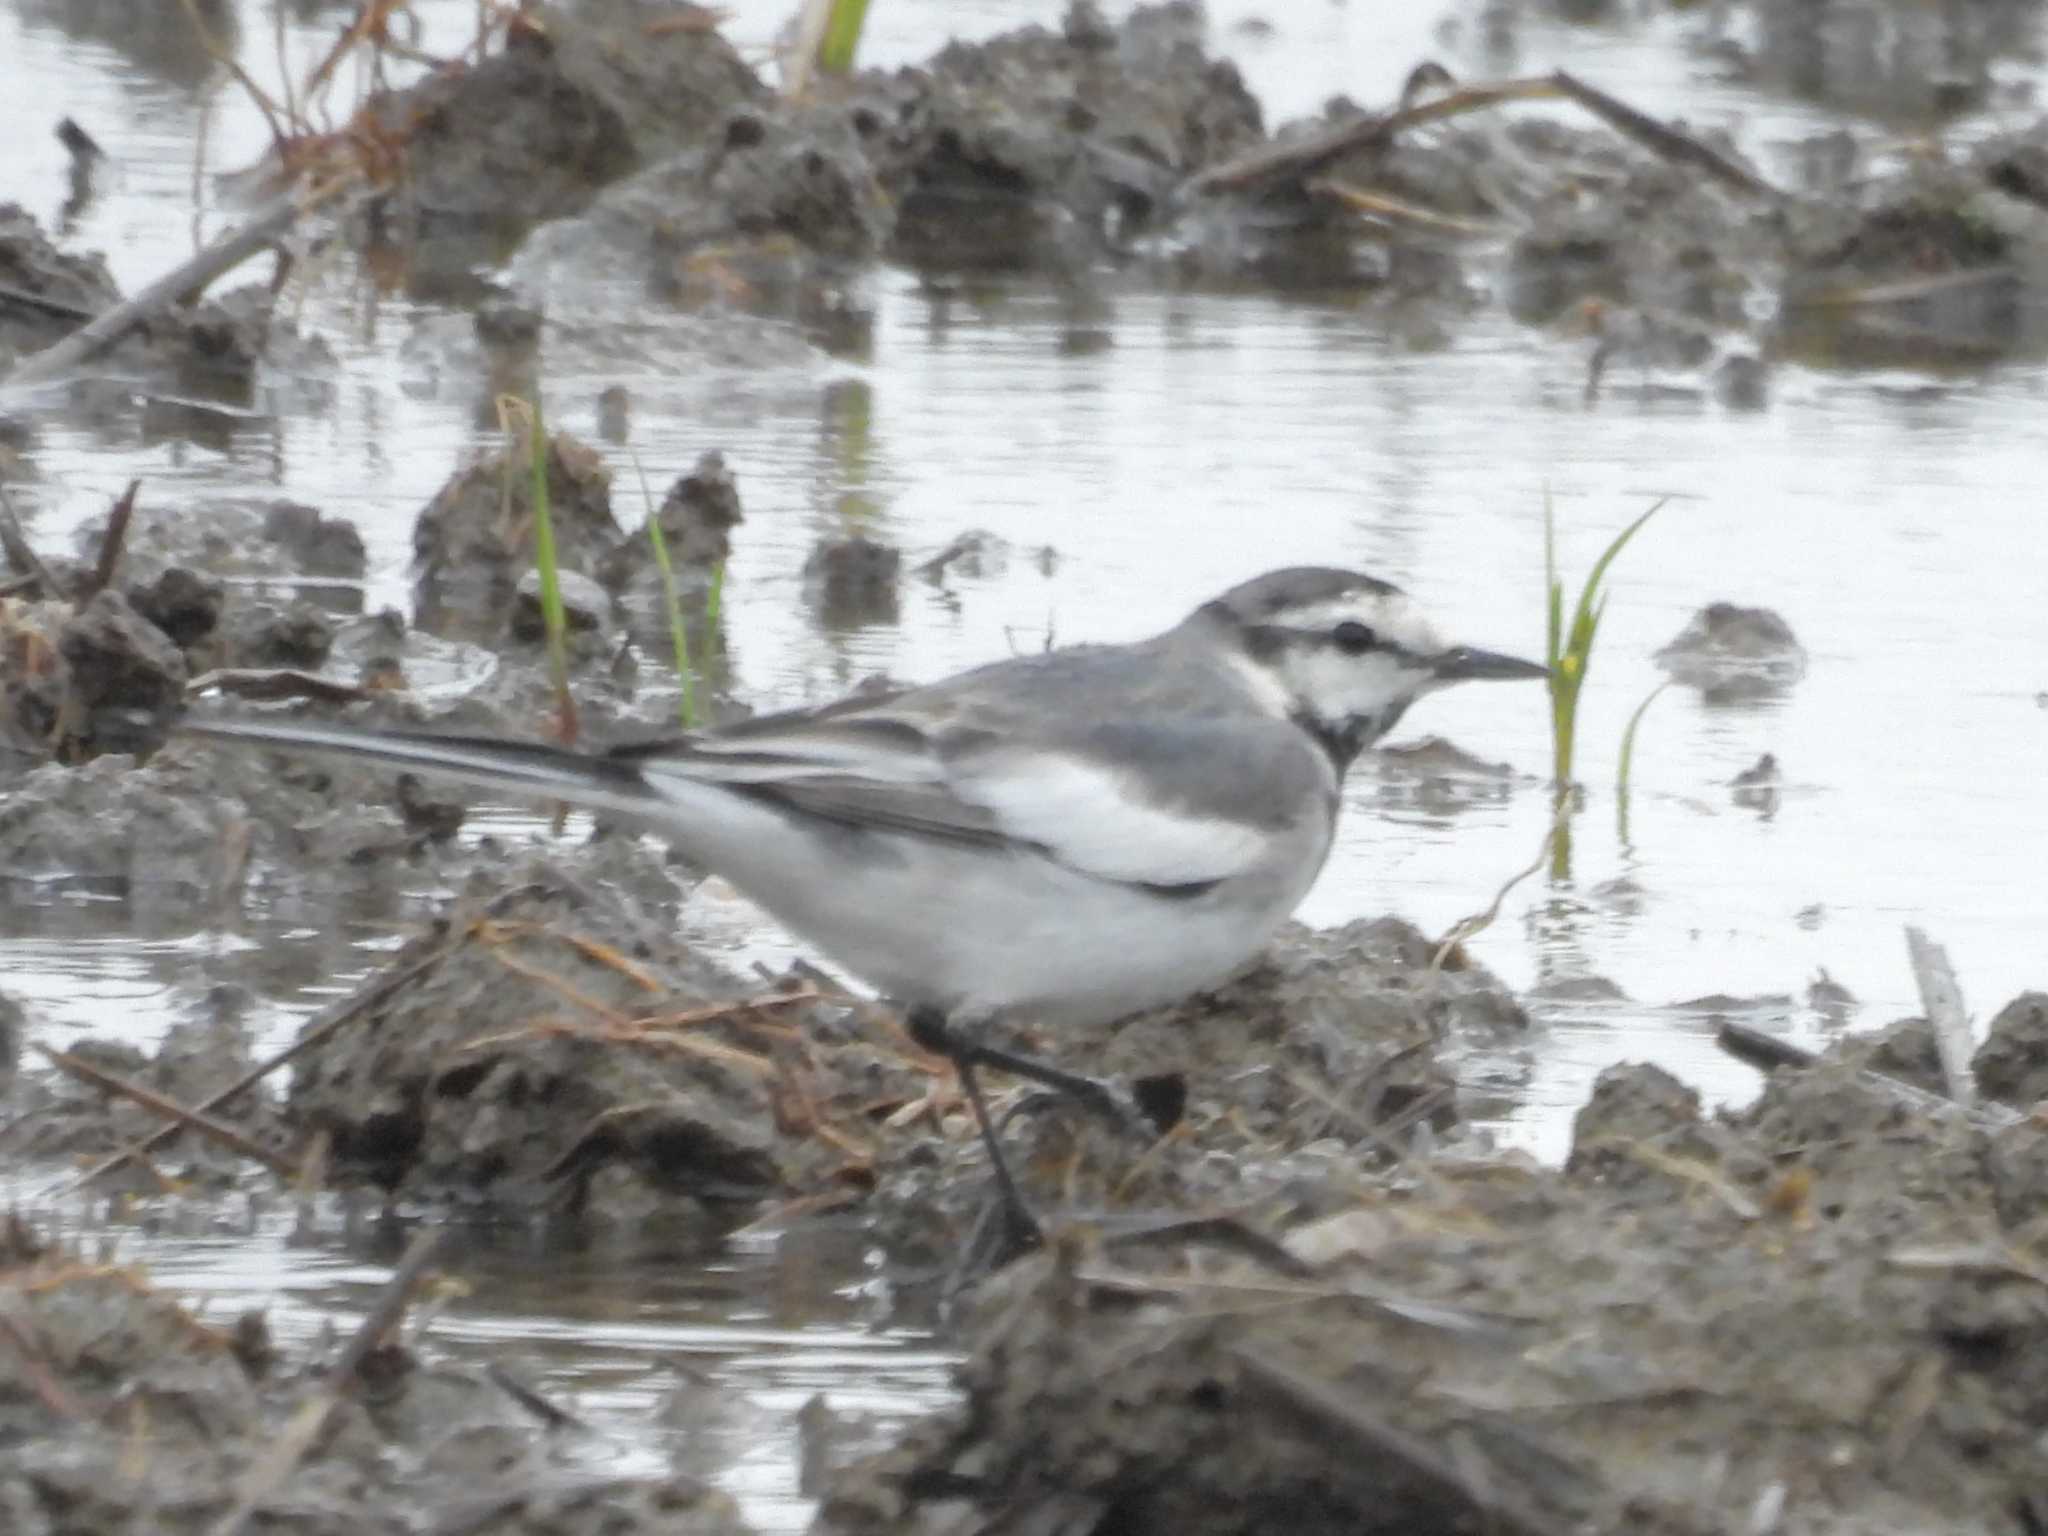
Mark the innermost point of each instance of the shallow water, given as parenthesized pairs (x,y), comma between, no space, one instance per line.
(1890,517)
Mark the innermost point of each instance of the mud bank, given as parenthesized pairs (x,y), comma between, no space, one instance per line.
(1825,1313)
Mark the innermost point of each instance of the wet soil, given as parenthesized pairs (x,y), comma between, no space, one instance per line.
(124,1409)
(1819,1314)
(1318,1300)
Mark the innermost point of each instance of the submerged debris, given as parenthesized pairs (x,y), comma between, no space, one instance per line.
(1731,653)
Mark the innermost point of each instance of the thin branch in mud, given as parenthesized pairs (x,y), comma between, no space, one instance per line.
(590,949)
(547,980)
(1767,1053)
(531,1400)
(1909,290)
(1458,1482)
(315,1033)
(20,553)
(627,1033)
(1380,205)
(112,542)
(304,1428)
(205,1125)
(175,287)
(1304,157)
(1685,1169)
(736,1010)
(1662,140)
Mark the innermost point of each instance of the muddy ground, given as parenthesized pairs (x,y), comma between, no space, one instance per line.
(1317,1301)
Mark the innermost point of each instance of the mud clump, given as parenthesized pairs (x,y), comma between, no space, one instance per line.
(696,519)
(561,1050)
(1043,149)
(1732,654)
(319,545)
(124,681)
(205,1050)
(71,289)
(475,539)
(575,98)
(121,1409)
(1326,1058)
(2011,1065)
(1685,1327)
(852,580)
(1034,150)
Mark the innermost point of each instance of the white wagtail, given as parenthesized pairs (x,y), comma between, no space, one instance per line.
(1063,838)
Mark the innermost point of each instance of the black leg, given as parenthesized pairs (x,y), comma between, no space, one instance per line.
(1022,1231)
(930,1029)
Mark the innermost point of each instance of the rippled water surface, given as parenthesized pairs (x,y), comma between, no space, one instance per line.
(1893,519)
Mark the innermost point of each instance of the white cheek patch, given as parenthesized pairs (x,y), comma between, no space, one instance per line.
(1335,687)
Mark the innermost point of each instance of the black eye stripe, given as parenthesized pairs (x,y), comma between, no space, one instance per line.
(1354,638)
(1272,639)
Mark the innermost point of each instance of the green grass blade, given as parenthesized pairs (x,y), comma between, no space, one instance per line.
(1628,740)
(714,609)
(678,634)
(842,36)
(1625,768)
(1607,555)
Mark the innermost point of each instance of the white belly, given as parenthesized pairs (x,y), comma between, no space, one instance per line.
(981,933)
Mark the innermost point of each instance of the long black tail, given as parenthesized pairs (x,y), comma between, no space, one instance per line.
(546,772)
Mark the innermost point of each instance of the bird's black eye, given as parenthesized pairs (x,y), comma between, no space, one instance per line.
(1354,638)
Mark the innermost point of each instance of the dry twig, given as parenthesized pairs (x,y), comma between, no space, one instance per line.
(270,1471)
(111,544)
(321,1029)
(206,1125)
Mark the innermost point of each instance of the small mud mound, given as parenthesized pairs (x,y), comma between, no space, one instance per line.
(1732,654)
(558,1048)
(1325,1056)
(575,98)
(1805,1315)
(474,540)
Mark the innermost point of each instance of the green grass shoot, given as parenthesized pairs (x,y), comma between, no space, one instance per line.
(1569,654)
(678,632)
(545,557)
(1625,767)
(842,36)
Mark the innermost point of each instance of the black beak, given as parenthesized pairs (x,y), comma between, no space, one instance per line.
(1462,664)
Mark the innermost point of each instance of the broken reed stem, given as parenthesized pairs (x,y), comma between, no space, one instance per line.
(336,1017)
(175,287)
(305,1427)
(112,542)
(218,1131)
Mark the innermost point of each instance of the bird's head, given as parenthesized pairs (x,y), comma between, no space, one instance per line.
(1342,654)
